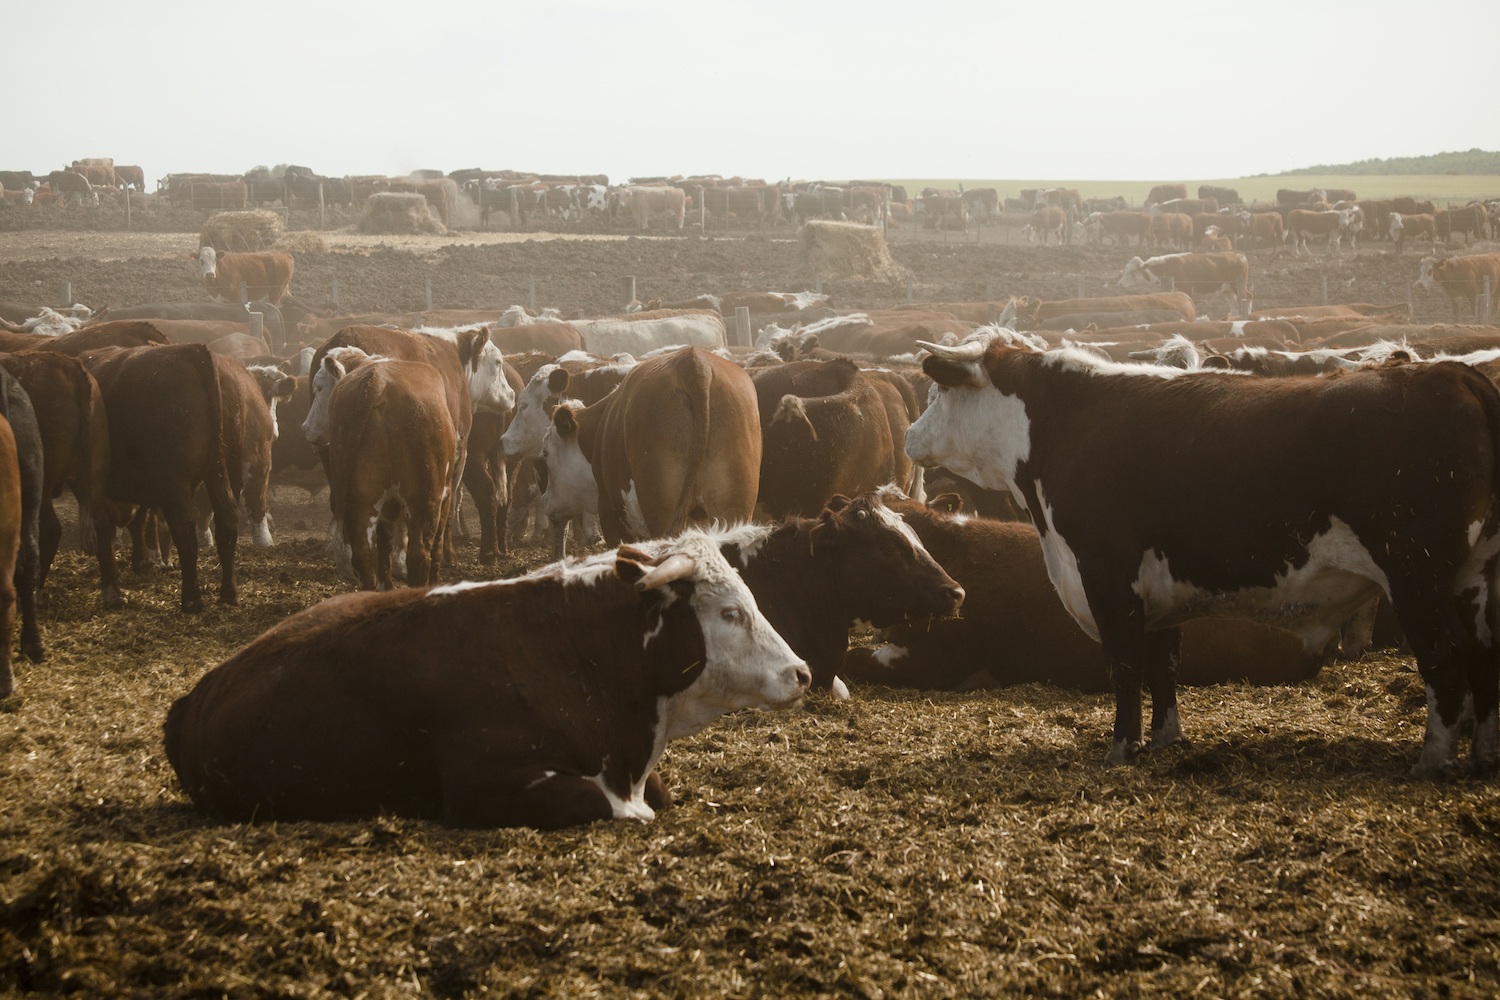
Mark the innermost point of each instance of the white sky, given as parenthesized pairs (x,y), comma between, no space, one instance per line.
(939,89)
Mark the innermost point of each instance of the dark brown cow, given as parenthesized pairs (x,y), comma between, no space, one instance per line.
(1131,510)
(16,408)
(1471,220)
(10,547)
(826,429)
(166,438)
(1015,630)
(1165,192)
(218,195)
(265,275)
(411,702)
(75,453)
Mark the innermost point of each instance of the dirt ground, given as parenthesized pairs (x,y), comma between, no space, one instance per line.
(900,844)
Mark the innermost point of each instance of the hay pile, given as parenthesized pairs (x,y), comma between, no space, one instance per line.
(398,213)
(239,232)
(847,250)
(302,241)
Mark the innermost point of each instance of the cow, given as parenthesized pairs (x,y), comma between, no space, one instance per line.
(1213,239)
(250,430)
(404,702)
(642,202)
(71,187)
(26,438)
(679,440)
(218,196)
(488,476)
(391,460)
(639,333)
(1465,278)
(1015,630)
(1330,225)
(1172,228)
(1165,192)
(1472,220)
(1265,228)
(1421,226)
(74,442)
(1191,273)
(10,547)
(1097,454)
(1122,226)
(1046,222)
(826,430)
(162,452)
(1223,195)
(273,322)
(266,275)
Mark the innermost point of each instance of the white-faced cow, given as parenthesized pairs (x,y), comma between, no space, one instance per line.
(411,702)
(1162,495)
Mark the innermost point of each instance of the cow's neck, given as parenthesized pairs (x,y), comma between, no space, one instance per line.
(796,587)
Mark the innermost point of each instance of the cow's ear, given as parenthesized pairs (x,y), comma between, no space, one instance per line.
(193,255)
(947,503)
(565,422)
(631,564)
(284,389)
(953,374)
(332,367)
(557,382)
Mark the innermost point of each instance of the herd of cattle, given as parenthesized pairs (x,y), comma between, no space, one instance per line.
(1185,521)
(1217,219)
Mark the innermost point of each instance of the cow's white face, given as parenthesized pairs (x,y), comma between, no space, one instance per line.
(1396,225)
(571,488)
(1425,278)
(488,387)
(974,430)
(315,426)
(1136,275)
(747,664)
(208,262)
(523,438)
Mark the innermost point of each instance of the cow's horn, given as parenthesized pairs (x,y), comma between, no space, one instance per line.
(971,350)
(675,567)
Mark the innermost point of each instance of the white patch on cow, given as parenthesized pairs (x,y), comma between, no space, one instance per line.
(1170,730)
(976,431)
(463,587)
(339,550)
(208,262)
(1313,600)
(888,654)
(546,776)
(630,511)
(523,438)
(260,533)
(205,536)
(571,487)
(748,540)
(1237,328)
(839,689)
(1440,748)
(890,519)
(634,807)
(1075,359)
(1062,570)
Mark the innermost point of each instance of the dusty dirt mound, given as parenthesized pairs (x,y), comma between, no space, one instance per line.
(847,250)
(398,212)
(238,232)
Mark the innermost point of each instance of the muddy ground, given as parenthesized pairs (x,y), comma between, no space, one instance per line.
(902,843)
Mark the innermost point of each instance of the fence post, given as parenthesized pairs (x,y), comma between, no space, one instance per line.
(429,294)
(336,303)
(127,208)
(64,293)
(1410,306)
(531,291)
(1325,289)
(515,208)
(1485,316)
(741,326)
(322,217)
(627,288)
(244,293)
(1171,283)
(258,325)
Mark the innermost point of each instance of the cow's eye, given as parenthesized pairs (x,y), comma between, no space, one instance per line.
(733,616)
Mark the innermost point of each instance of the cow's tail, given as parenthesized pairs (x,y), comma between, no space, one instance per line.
(216,481)
(696,379)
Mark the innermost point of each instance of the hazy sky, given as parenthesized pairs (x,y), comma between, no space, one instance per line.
(1072,90)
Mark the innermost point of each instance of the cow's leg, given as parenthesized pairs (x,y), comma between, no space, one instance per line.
(28,568)
(1443,650)
(423,528)
(481,486)
(104,551)
(226,538)
(384,536)
(536,798)
(359,535)
(257,500)
(50,537)
(1162,656)
(177,511)
(1121,625)
(7,623)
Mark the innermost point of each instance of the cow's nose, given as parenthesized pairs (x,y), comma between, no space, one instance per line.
(803,675)
(957,594)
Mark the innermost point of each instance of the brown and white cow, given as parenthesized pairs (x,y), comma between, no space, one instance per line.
(642,202)
(1131,507)
(1015,630)
(1122,226)
(678,441)
(1331,226)
(266,275)
(1403,227)
(826,430)
(1265,228)
(1463,278)
(1046,223)
(166,438)
(409,702)
(391,459)
(1191,273)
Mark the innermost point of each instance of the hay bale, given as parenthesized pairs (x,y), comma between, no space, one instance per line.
(302,241)
(834,250)
(398,212)
(239,232)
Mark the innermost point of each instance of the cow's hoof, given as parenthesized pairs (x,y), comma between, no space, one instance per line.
(33,651)
(1483,768)
(231,598)
(192,607)
(112,599)
(1425,770)
(1123,752)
